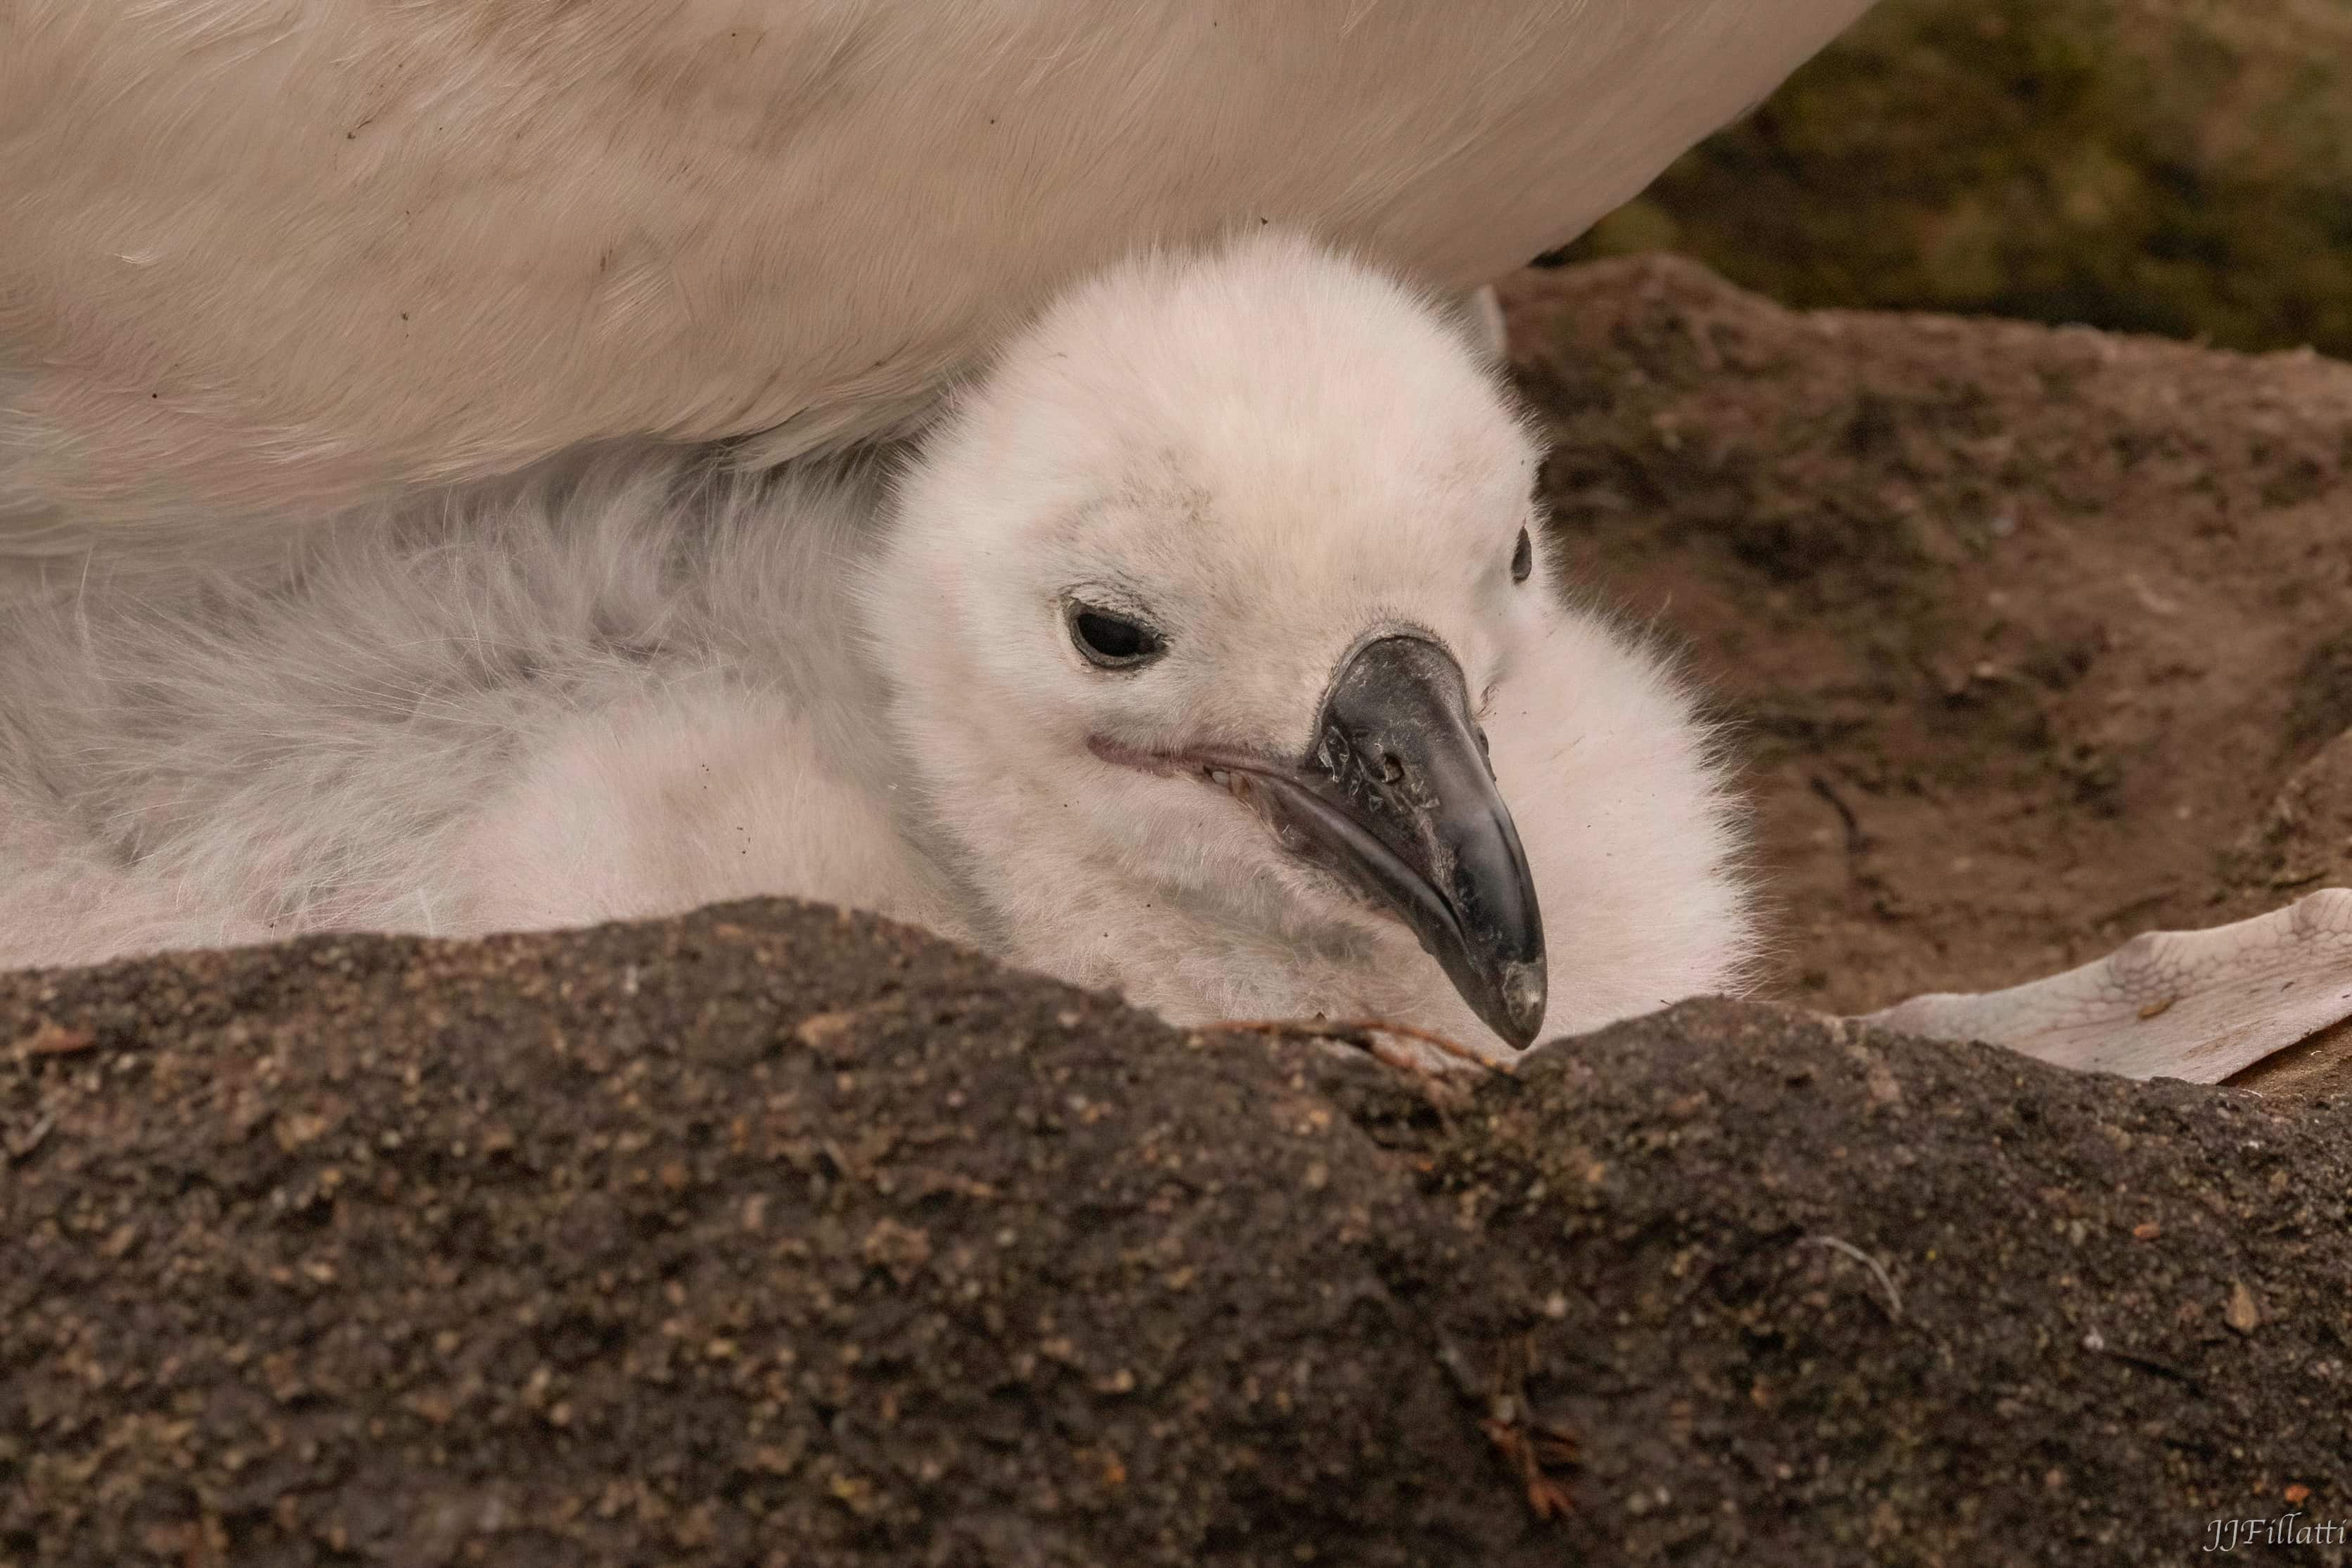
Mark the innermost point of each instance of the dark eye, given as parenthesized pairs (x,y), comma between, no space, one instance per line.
(1522,558)
(1112,641)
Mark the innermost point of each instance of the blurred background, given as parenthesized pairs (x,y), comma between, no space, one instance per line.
(2174,167)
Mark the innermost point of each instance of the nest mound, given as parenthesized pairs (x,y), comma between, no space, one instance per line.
(775,1235)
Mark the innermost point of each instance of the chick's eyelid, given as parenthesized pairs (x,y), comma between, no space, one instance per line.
(1119,639)
(1108,598)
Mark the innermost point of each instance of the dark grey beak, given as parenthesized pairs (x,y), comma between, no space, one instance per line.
(1397,798)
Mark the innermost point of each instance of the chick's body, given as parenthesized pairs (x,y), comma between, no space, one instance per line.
(638,684)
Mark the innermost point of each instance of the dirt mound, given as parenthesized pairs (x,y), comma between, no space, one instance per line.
(776,1236)
(773,1236)
(2034,637)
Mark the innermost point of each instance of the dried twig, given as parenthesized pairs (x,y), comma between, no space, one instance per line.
(1531,1452)
(50,1038)
(1878,1269)
(22,1146)
(1533,1445)
(1364,1034)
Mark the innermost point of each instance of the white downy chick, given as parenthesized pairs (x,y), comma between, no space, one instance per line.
(1171,663)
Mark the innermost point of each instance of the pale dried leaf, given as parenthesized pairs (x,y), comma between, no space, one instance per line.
(2197,1004)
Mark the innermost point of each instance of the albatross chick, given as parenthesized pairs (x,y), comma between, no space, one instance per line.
(1206,648)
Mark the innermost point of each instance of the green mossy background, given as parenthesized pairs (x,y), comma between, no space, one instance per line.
(2172,166)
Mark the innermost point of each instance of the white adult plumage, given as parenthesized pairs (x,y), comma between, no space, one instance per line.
(1161,667)
(263,258)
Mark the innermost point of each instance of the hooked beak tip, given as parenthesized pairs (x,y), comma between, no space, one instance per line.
(1523,997)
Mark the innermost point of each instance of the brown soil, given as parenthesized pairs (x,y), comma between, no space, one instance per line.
(2034,639)
(774,1236)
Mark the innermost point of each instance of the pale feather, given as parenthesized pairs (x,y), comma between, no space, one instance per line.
(269,257)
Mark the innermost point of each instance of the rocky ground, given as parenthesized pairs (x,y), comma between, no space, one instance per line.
(772,1235)
(776,1236)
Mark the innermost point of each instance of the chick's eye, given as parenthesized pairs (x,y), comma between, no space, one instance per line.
(1522,558)
(1112,641)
